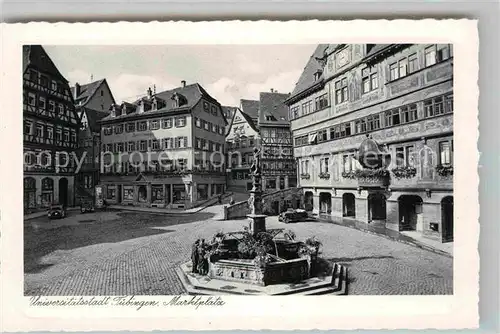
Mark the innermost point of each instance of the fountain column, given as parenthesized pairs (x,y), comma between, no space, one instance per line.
(257,218)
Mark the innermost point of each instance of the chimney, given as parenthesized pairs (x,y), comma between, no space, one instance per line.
(150,92)
(77,91)
(183,83)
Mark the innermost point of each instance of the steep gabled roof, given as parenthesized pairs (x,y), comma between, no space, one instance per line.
(193,94)
(249,121)
(86,92)
(93,118)
(36,57)
(306,79)
(273,104)
(250,107)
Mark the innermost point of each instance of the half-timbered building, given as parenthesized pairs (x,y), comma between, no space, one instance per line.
(50,132)
(241,139)
(278,164)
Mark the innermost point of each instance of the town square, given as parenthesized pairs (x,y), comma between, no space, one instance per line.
(330,173)
(136,253)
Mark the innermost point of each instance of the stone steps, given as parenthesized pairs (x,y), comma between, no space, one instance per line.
(337,285)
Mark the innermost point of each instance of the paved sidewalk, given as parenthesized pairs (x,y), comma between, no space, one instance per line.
(408,237)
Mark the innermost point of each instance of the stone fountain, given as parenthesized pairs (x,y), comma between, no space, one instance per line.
(260,261)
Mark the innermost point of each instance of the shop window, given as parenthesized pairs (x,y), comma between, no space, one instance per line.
(111,192)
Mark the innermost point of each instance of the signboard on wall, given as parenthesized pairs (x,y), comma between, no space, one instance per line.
(99,197)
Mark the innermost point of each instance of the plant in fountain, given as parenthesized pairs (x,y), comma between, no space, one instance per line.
(256,255)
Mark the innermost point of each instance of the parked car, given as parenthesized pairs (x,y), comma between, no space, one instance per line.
(87,205)
(293,215)
(56,211)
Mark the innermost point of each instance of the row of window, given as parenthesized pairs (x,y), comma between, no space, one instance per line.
(46,159)
(405,114)
(242,143)
(207,165)
(210,108)
(246,159)
(47,131)
(404,156)
(202,124)
(207,145)
(275,133)
(370,78)
(44,81)
(87,142)
(165,123)
(144,145)
(44,104)
(154,165)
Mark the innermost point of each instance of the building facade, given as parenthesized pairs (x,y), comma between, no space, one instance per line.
(241,139)
(278,164)
(164,150)
(395,102)
(89,152)
(92,102)
(50,132)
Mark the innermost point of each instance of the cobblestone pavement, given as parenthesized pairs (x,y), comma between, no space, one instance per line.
(125,253)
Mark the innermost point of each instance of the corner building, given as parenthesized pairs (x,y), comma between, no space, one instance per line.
(50,130)
(171,146)
(396,99)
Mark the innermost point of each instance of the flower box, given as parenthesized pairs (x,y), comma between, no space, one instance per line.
(305,176)
(349,175)
(324,175)
(373,177)
(444,171)
(404,172)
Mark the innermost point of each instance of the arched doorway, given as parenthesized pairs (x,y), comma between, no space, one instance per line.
(143,194)
(410,213)
(376,207)
(47,191)
(447,218)
(308,201)
(325,203)
(349,205)
(63,191)
(29,193)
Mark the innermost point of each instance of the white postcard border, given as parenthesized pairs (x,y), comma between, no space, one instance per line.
(320,312)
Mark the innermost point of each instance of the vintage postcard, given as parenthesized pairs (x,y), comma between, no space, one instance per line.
(240,175)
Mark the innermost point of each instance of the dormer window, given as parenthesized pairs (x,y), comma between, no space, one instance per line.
(270,118)
(158,103)
(317,75)
(146,106)
(178,100)
(118,111)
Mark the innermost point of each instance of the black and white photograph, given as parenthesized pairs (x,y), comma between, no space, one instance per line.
(320,172)
(247,170)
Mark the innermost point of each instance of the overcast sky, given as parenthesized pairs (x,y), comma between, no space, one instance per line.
(228,73)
